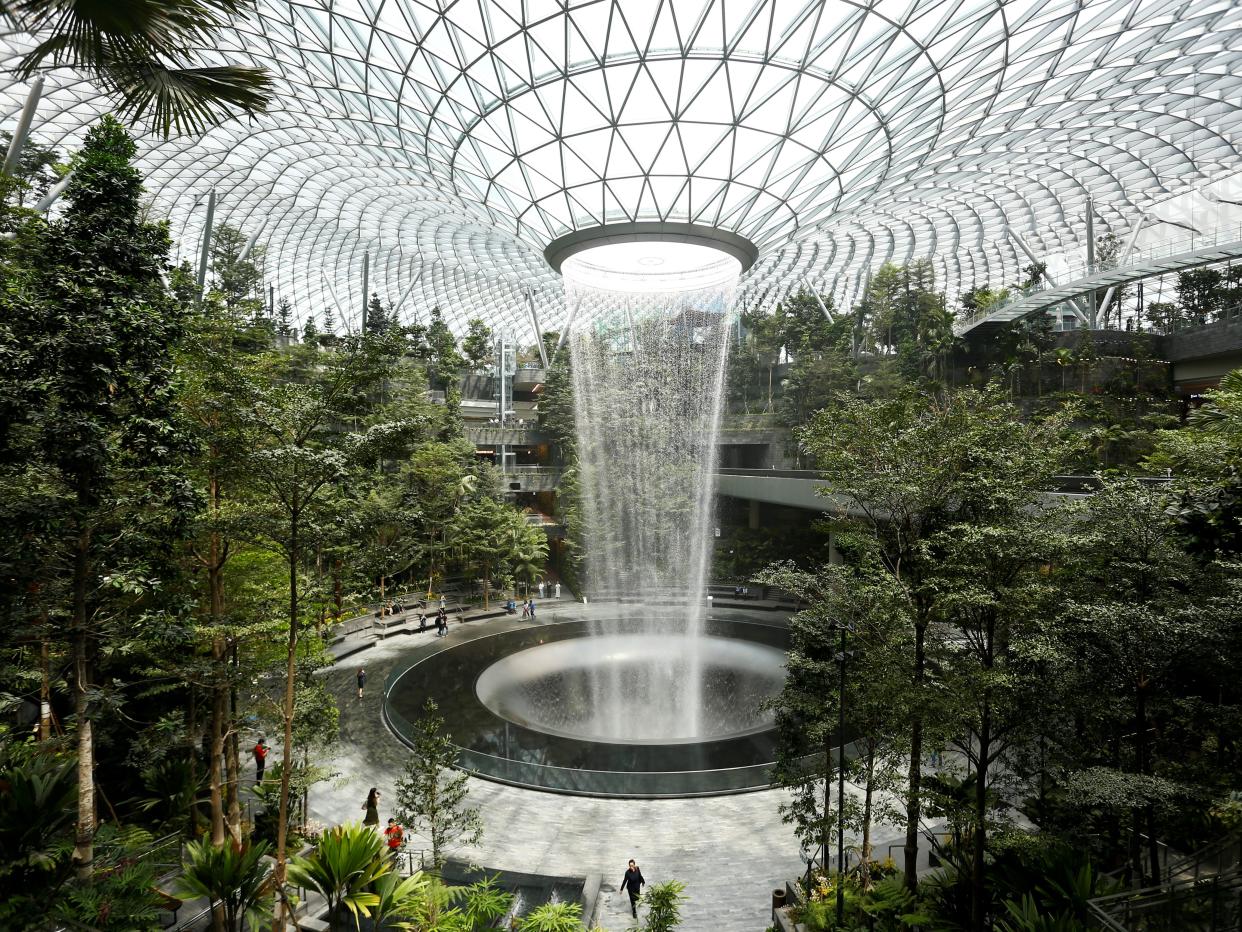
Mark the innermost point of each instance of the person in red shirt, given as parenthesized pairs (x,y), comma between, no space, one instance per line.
(395,836)
(260,759)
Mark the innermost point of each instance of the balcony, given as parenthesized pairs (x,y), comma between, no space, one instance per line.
(530,479)
(494,435)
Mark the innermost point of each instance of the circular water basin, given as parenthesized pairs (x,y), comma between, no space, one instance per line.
(637,688)
(602,709)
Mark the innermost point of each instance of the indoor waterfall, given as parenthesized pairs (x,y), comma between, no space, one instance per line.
(648,375)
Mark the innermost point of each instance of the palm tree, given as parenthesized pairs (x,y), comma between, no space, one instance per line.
(143,54)
(345,865)
(234,876)
(400,899)
(530,551)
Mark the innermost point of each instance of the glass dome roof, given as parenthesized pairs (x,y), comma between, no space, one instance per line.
(451,142)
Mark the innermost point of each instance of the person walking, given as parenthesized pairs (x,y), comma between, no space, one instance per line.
(531,607)
(441,626)
(396,838)
(525,609)
(372,808)
(632,883)
(260,759)
(362,680)
(558,590)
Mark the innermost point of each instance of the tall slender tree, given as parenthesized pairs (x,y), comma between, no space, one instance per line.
(90,332)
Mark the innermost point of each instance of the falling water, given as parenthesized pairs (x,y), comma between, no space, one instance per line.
(648,372)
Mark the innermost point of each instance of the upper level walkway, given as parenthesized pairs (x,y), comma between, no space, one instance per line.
(1162,259)
(799,488)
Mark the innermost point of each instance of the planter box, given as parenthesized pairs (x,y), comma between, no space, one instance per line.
(780,919)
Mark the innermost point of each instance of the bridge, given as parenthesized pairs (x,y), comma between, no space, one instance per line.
(1163,259)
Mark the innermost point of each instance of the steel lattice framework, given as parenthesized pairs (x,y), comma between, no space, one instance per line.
(451,140)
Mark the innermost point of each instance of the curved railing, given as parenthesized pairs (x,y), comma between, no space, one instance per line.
(1190,251)
(579,781)
(645,784)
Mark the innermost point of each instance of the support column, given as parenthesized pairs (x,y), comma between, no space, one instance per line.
(1075,305)
(1092,304)
(250,243)
(204,257)
(366,282)
(13,157)
(569,323)
(818,300)
(753,513)
(534,320)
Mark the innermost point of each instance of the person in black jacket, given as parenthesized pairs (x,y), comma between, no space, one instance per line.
(632,884)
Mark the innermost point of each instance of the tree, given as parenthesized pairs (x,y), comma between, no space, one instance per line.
(444,368)
(310,332)
(377,317)
(237,280)
(900,471)
(869,604)
(343,869)
(284,318)
(1138,604)
(38,167)
(36,814)
(1200,293)
(431,797)
(146,57)
(232,874)
(477,344)
(664,902)
(300,461)
(88,413)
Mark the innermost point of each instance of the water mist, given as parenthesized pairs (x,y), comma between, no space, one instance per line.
(648,360)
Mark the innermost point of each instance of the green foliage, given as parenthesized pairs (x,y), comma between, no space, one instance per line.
(147,58)
(476,346)
(345,864)
(233,875)
(483,903)
(554,917)
(432,796)
(119,898)
(38,790)
(664,902)
(400,900)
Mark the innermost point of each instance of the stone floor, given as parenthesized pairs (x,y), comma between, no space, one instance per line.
(731,851)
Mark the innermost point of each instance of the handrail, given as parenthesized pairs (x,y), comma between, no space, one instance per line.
(1077,279)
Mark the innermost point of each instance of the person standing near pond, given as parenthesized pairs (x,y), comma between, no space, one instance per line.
(531,608)
(372,808)
(632,883)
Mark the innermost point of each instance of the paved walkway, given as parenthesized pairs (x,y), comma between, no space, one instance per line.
(731,851)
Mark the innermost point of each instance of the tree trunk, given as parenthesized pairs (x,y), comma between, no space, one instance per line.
(232,753)
(915,774)
(45,689)
(978,892)
(291,667)
(338,590)
(84,834)
(219,712)
(1140,747)
(864,864)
